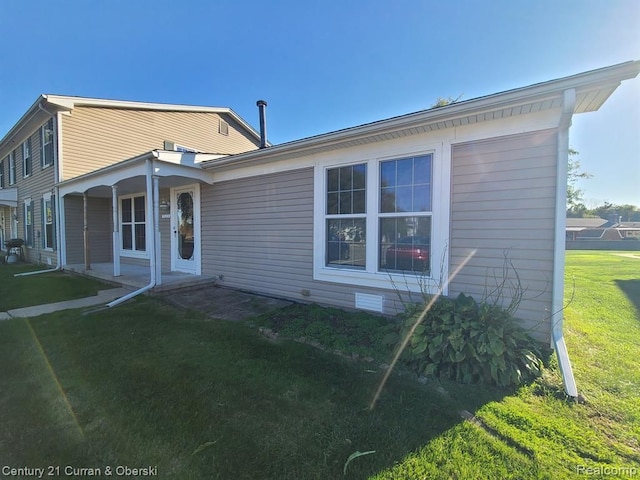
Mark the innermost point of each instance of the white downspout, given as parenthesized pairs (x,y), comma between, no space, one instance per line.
(151,244)
(156,230)
(115,242)
(568,106)
(56,195)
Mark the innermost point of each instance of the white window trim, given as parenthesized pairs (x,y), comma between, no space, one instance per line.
(46,198)
(12,168)
(370,276)
(134,253)
(43,148)
(27,238)
(25,144)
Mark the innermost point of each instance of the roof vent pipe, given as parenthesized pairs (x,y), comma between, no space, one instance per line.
(262,105)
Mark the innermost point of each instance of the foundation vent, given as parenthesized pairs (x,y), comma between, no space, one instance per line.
(366,301)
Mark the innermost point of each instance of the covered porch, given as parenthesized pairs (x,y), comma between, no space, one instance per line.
(137,222)
(137,276)
(8,215)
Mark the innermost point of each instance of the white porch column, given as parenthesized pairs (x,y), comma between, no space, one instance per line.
(156,229)
(87,253)
(116,231)
(62,231)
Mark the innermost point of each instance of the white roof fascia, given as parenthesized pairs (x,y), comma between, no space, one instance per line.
(112,174)
(24,119)
(607,77)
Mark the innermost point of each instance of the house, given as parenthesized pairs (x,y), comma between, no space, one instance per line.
(436,199)
(600,234)
(62,137)
(576,226)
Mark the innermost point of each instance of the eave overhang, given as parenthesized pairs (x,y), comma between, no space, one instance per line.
(9,197)
(592,90)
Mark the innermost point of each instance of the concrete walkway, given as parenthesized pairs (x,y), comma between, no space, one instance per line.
(103,296)
(223,303)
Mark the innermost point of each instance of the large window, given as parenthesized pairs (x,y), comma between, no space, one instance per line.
(405,214)
(346,231)
(382,221)
(133,224)
(48,219)
(26,158)
(12,168)
(46,140)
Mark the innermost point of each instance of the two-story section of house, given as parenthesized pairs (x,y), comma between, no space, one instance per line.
(62,137)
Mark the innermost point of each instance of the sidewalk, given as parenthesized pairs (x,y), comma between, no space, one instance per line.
(103,296)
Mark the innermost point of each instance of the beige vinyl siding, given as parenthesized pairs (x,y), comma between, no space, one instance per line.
(95,137)
(503,204)
(33,187)
(100,229)
(258,234)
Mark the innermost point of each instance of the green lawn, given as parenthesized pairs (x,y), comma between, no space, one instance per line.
(146,385)
(17,292)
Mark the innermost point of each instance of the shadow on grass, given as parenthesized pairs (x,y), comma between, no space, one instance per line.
(202,399)
(631,289)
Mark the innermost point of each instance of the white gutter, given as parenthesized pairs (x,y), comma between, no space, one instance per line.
(152,206)
(568,106)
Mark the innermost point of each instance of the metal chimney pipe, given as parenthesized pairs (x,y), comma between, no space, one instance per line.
(262,105)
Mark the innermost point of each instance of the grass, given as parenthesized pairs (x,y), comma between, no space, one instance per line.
(536,433)
(148,385)
(17,292)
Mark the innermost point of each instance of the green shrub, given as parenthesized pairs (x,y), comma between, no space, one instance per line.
(469,342)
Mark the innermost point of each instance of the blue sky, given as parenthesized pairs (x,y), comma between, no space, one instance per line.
(328,65)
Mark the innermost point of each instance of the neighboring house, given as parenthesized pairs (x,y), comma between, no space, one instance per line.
(62,137)
(576,226)
(598,233)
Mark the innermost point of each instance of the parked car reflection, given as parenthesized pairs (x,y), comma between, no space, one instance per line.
(408,253)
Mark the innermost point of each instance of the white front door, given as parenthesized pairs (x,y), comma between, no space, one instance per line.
(185,229)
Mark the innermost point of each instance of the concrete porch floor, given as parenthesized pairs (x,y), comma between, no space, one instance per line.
(137,276)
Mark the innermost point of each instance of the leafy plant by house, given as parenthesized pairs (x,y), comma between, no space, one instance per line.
(469,342)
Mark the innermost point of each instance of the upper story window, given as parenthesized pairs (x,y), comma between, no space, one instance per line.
(26,158)
(12,167)
(1,173)
(46,140)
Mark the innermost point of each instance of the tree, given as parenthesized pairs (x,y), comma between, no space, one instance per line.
(443,102)
(608,211)
(575,205)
